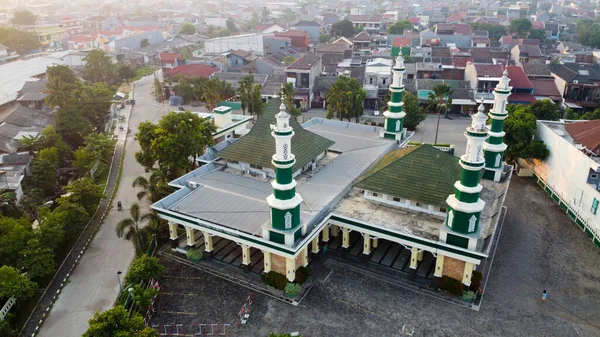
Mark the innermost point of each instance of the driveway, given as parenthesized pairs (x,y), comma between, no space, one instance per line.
(93,285)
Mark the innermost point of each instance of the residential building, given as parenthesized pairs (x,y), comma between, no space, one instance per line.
(569,47)
(273,44)
(190,70)
(429,70)
(377,80)
(371,23)
(522,88)
(273,64)
(228,125)
(526,54)
(302,75)
(570,173)
(483,79)
(362,43)
(270,28)
(47,34)
(73,26)
(170,60)
(330,18)
(299,39)
(251,42)
(428,38)
(83,42)
(311,28)
(455,35)
(578,85)
(13,168)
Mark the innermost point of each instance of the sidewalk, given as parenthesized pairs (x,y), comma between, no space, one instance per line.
(51,295)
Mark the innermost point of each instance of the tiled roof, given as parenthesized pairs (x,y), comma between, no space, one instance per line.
(191,70)
(365,18)
(401,42)
(331,48)
(169,57)
(241,53)
(461,62)
(258,146)
(530,51)
(528,42)
(34,86)
(304,62)
(545,87)
(537,69)
(305,23)
(439,51)
(396,173)
(363,36)
(414,21)
(583,74)
(586,134)
(479,39)
(518,79)
(521,97)
(456,28)
(491,70)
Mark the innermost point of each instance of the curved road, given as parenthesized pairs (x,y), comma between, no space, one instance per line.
(93,285)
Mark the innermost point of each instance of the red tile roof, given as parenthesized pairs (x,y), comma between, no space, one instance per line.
(191,70)
(521,97)
(415,21)
(456,17)
(518,78)
(491,70)
(169,57)
(401,42)
(586,134)
(461,62)
(362,36)
(545,87)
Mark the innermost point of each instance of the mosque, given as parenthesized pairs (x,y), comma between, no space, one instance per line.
(269,199)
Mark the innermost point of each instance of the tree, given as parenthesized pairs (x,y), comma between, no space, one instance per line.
(588,32)
(324,38)
(415,114)
(6,330)
(84,192)
(495,31)
(544,110)
(345,99)
(288,92)
(37,259)
(95,100)
(231,25)
(127,72)
(155,188)
(24,18)
(14,234)
(129,228)
(520,128)
(400,27)
(520,27)
(144,43)
(98,148)
(30,143)
(57,93)
(73,217)
(591,115)
(439,100)
(98,67)
(116,322)
(264,14)
(65,73)
(12,283)
(72,125)
(158,91)
(257,105)
(539,34)
(50,232)
(187,29)
(358,29)
(144,268)
(214,91)
(44,169)
(245,91)
(184,90)
(287,60)
(145,135)
(143,297)
(8,204)
(21,42)
(343,28)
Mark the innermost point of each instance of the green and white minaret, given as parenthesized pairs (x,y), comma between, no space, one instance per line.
(493,149)
(464,206)
(284,202)
(394,116)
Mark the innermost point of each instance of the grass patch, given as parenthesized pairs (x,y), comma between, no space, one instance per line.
(143,71)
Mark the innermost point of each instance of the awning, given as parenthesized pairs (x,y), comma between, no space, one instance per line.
(460,101)
(573,105)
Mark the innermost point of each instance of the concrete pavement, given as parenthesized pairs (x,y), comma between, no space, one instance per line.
(93,285)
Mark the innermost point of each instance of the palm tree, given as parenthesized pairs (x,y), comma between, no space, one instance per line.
(439,99)
(31,144)
(130,229)
(58,93)
(245,91)
(155,187)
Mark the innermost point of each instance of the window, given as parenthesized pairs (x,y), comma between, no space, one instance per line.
(234,161)
(593,176)
(374,194)
(383,81)
(254,166)
(396,199)
(418,204)
(370,80)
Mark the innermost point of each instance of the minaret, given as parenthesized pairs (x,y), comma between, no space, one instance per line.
(394,116)
(284,202)
(493,149)
(464,206)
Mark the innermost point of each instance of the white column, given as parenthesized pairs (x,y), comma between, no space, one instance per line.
(315,245)
(208,242)
(414,252)
(367,244)
(191,238)
(375,242)
(326,233)
(345,238)
(305,256)
(267,260)
(173,230)
(245,255)
(290,267)
(468,273)
(335,230)
(439,266)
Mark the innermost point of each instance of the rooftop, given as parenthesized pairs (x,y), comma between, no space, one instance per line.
(587,134)
(258,145)
(518,79)
(489,70)
(356,148)
(304,62)
(191,70)
(545,87)
(331,48)
(583,74)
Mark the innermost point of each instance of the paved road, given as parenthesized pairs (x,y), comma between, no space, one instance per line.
(93,284)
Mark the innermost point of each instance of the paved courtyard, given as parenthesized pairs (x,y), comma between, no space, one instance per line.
(539,248)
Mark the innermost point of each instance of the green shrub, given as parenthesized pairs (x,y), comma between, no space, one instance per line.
(468,296)
(144,268)
(476,280)
(373,123)
(453,286)
(302,275)
(292,289)
(276,280)
(380,124)
(194,254)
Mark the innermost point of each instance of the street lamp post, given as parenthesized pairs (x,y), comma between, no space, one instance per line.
(119,278)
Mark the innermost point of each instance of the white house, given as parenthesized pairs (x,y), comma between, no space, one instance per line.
(571,173)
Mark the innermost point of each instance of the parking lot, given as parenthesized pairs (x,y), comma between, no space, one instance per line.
(539,248)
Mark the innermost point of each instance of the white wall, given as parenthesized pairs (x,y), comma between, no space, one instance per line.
(566,171)
(405,203)
(248,42)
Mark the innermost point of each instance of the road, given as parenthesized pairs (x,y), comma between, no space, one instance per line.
(93,285)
